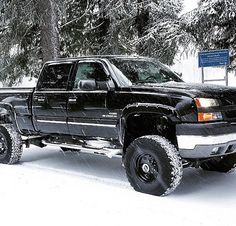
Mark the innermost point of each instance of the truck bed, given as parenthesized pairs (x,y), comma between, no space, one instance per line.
(20,100)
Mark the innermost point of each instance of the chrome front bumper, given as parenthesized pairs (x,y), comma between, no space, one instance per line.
(206,140)
(205,147)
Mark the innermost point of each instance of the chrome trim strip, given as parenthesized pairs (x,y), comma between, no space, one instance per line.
(91,124)
(16,91)
(47,121)
(77,123)
(70,92)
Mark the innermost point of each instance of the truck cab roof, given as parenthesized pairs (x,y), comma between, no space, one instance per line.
(72,59)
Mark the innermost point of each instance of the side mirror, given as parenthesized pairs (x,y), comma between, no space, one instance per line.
(87,84)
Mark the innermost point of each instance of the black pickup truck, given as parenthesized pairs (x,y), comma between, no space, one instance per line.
(131,107)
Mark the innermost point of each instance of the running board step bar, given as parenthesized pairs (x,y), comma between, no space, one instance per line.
(109,152)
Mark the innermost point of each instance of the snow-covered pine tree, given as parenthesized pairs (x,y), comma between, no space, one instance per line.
(157,22)
(144,27)
(213,26)
(77,20)
(18,40)
(25,37)
(28,30)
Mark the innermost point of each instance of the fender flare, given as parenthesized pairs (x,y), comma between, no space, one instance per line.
(8,115)
(137,108)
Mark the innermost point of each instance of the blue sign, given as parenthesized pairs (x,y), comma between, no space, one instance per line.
(213,58)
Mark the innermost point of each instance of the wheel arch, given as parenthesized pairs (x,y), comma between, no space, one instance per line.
(8,115)
(151,112)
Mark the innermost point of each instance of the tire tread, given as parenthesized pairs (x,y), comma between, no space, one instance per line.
(174,159)
(16,144)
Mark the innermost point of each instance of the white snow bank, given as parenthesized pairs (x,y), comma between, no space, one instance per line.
(50,188)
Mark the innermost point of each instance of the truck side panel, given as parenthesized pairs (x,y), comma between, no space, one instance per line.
(19,101)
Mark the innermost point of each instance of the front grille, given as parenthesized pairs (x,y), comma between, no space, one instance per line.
(229,107)
(231,114)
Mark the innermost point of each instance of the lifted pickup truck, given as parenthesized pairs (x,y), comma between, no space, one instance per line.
(132,107)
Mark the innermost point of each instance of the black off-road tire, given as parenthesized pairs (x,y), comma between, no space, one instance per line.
(10,145)
(224,164)
(153,165)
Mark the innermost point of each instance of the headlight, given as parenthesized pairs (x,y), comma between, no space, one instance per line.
(204,103)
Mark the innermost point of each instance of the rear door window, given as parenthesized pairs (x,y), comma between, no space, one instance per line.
(55,76)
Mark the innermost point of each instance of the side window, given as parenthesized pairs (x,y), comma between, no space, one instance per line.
(55,76)
(88,71)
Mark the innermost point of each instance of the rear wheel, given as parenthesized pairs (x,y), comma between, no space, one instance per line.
(10,144)
(220,164)
(153,165)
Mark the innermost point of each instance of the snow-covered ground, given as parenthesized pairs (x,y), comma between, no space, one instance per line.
(52,188)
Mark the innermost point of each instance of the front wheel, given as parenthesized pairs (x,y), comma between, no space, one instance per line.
(153,165)
(10,145)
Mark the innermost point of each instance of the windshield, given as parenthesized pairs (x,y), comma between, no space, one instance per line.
(134,71)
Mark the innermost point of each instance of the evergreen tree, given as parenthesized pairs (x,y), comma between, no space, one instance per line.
(143,27)
(159,28)
(213,26)
(28,37)
(76,21)
(33,31)
(18,40)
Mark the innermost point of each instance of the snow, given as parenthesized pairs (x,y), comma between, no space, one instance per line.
(189,5)
(27,82)
(188,66)
(50,188)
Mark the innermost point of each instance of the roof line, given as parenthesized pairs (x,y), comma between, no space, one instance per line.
(95,56)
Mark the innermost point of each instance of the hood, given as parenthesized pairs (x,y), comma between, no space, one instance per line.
(190,89)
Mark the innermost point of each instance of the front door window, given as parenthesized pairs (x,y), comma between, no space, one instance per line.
(91,71)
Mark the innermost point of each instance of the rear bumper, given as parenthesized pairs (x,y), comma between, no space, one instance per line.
(197,141)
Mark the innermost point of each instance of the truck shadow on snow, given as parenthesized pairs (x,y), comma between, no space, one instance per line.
(110,171)
(97,167)
(207,184)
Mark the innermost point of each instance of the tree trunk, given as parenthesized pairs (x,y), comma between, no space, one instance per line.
(142,21)
(48,21)
(103,23)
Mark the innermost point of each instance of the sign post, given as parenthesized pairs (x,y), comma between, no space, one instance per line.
(214,58)
(203,75)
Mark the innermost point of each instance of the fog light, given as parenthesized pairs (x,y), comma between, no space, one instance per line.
(209,116)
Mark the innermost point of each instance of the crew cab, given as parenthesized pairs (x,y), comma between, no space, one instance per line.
(135,108)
